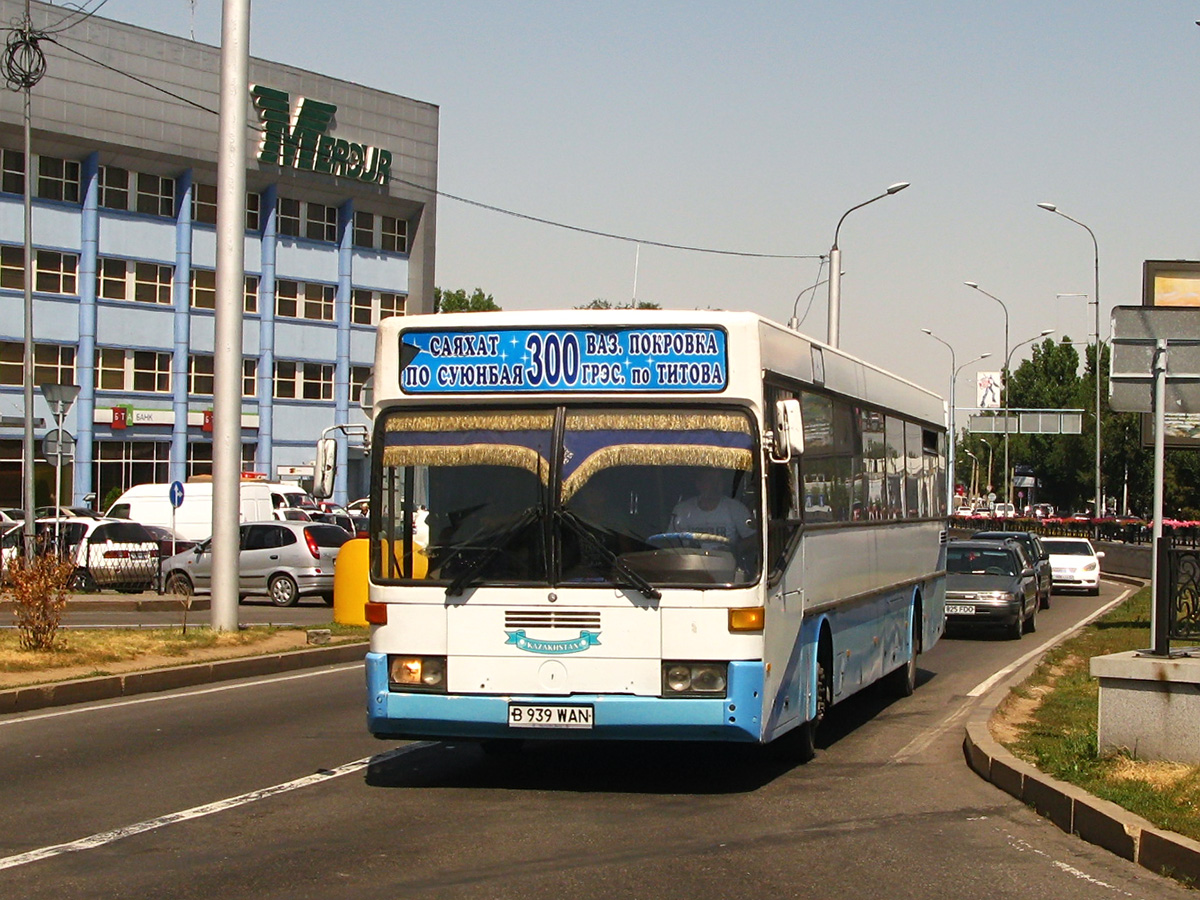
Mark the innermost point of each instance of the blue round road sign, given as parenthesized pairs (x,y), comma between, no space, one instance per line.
(176,494)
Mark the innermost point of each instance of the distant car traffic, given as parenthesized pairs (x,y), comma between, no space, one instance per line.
(1075,563)
(280,560)
(1037,553)
(991,583)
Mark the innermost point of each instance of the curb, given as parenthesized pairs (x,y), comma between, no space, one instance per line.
(1072,809)
(110,687)
(154,604)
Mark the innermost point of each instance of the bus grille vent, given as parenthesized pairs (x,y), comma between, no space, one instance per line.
(551,618)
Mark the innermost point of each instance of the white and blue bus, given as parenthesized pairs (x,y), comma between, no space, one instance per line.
(640,524)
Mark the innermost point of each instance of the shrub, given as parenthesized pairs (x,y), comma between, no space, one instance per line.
(39,590)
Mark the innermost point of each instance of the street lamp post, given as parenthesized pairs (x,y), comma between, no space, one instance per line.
(1050,207)
(974,471)
(835,266)
(953,434)
(1003,375)
(1045,332)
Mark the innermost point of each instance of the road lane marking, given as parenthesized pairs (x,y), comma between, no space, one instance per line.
(984,686)
(922,741)
(197,812)
(176,695)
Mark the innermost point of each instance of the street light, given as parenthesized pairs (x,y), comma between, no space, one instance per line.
(1004,376)
(953,435)
(835,265)
(1050,207)
(1007,363)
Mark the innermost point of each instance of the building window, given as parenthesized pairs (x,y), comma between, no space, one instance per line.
(358,377)
(253,211)
(111,280)
(361,304)
(152,371)
(110,369)
(58,179)
(391,304)
(52,363)
(322,222)
(368,307)
(114,187)
(251,291)
(152,283)
(318,301)
(55,272)
(285,379)
(318,381)
(155,195)
(200,373)
(12,267)
(364,230)
(12,172)
(204,289)
(249,377)
(393,234)
(204,203)
(288,217)
(286,296)
(310,381)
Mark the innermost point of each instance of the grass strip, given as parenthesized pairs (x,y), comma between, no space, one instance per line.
(1052,717)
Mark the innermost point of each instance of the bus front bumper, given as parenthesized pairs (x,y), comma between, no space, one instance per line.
(427,716)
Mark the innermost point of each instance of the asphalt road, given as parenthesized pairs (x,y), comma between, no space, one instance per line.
(272,789)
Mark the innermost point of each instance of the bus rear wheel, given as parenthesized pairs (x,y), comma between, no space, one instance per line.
(903,681)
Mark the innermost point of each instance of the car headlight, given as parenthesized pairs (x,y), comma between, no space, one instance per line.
(417,673)
(996,596)
(1090,567)
(694,679)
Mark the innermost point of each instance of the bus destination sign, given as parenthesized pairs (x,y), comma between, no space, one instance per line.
(516,360)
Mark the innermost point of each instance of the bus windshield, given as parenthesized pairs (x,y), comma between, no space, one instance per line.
(632,497)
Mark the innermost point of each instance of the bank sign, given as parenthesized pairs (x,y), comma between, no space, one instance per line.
(541,360)
(300,141)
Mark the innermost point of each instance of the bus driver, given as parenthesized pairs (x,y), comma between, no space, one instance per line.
(710,512)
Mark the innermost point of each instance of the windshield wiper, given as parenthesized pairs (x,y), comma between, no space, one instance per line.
(577,525)
(500,541)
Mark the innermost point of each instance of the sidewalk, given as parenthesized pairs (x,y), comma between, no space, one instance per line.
(1070,808)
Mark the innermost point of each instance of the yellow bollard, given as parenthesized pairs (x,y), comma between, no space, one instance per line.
(350,578)
(350,582)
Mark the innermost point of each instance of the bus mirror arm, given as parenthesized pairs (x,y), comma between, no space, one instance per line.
(787,440)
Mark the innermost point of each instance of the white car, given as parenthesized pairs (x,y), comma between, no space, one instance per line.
(108,553)
(1074,563)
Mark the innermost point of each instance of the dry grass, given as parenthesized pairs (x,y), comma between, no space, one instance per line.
(85,653)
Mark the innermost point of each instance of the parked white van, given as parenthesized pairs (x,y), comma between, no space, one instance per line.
(150,504)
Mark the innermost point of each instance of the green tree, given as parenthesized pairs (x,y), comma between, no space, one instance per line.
(601,303)
(461,301)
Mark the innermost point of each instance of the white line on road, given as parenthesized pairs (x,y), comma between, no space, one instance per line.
(158,698)
(922,741)
(196,812)
(984,686)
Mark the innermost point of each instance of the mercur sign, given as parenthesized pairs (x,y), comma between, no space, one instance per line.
(301,142)
(638,359)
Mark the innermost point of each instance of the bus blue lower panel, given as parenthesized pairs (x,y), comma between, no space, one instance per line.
(737,717)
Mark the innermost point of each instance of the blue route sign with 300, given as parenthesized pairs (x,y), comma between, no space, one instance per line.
(516,360)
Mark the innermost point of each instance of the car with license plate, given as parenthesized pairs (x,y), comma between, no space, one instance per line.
(1037,552)
(282,560)
(1075,563)
(991,583)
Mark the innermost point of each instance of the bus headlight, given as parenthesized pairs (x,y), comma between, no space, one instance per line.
(417,673)
(694,679)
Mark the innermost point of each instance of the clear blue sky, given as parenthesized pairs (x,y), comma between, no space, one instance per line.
(754,126)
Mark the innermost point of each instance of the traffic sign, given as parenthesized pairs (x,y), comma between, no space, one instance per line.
(56,442)
(176,494)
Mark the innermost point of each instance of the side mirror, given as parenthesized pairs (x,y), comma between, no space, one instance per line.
(1099,554)
(788,438)
(324,468)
